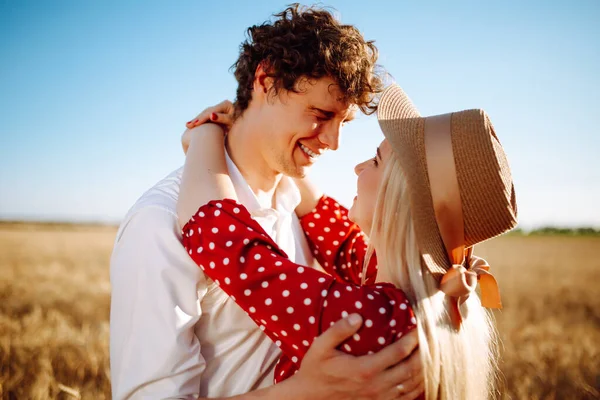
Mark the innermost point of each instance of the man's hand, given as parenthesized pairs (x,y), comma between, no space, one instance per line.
(395,372)
(221,114)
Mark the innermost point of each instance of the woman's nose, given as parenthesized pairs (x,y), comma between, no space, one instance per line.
(359,167)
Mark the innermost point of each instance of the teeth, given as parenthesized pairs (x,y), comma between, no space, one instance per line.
(308,151)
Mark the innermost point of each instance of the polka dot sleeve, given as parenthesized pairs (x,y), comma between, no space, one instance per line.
(292,304)
(337,243)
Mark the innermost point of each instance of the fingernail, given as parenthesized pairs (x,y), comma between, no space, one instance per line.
(196,121)
(213,116)
(354,319)
(189,122)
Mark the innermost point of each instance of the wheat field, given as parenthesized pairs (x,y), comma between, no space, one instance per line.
(55,296)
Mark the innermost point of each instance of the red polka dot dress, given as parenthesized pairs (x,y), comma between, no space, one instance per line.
(291,303)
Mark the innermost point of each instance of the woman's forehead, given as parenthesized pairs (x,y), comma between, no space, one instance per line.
(385,148)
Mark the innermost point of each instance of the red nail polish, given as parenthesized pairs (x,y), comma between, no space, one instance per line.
(213,117)
(196,121)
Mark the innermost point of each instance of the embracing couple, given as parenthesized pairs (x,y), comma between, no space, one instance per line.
(235,272)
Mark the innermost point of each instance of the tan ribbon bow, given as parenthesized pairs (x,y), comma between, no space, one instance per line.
(459,281)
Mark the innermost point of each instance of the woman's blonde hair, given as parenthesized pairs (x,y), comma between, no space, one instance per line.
(457,365)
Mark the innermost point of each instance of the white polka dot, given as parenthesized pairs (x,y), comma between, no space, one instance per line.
(356,337)
(294,359)
(243,276)
(290,310)
(413,320)
(328,252)
(344,314)
(191,232)
(219,205)
(274,317)
(227,280)
(247,292)
(311,224)
(217,213)
(321,280)
(215,230)
(393,323)
(278,343)
(325,303)
(211,246)
(261,269)
(297,327)
(381,310)
(300,270)
(229,243)
(317,216)
(381,340)
(252,309)
(282,277)
(342,234)
(268,302)
(236,210)
(226,261)
(311,319)
(262,327)
(327,229)
(403,306)
(295,347)
(370,297)
(257,256)
(335,242)
(212,264)
(320,238)
(285,293)
(349,288)
(368,323)
(307,302)
(392,302)
(303,285)
(347,347)
(336,294)
(201,214)
(217,282)
(199,250)
(265,284)
(324,293)
(278,263)
(246,241)
(283,333)
(305,342)
(358,305)
(331,219)
(242,260)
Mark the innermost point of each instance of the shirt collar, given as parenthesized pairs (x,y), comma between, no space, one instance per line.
(287,194)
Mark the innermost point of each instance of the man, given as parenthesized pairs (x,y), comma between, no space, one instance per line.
(174,333)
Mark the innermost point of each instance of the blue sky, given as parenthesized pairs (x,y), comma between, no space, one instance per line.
(94,95)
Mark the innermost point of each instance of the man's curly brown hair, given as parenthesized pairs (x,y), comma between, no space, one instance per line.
(309,42)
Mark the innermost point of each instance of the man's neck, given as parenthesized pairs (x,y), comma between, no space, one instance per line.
(248,158)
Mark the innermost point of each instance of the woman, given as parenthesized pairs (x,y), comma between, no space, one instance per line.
(437,186)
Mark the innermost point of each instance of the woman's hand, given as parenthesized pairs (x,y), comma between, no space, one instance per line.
(221,114)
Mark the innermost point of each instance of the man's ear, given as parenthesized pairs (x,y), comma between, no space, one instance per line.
(263,83)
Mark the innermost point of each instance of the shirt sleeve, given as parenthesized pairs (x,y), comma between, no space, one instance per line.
(155,304)
(337,243)
(291,303)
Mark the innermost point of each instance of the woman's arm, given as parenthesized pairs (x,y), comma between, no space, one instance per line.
(205,175)
(291,303)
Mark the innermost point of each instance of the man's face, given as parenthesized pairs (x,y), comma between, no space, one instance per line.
(299,127)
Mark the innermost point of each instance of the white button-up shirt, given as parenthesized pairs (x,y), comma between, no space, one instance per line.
(173,332)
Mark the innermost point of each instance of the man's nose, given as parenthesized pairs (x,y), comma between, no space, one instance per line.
(330,136)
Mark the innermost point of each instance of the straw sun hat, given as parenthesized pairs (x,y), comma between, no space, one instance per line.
(461,190)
